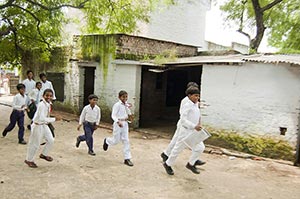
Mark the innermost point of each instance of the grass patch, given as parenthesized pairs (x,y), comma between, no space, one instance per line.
(257,145)
(65,107)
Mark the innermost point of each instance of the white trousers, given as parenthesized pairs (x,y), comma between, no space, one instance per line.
(180,146)
(38,133)
(171,145)
(120,134)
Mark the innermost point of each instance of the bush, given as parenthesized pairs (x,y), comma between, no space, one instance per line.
(257,145)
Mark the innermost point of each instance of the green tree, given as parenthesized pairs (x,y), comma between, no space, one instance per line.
(34,26)
(255,16)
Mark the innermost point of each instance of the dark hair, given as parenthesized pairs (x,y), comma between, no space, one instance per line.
(37,83)
(194,84)
(20,86)
(92,96)
(192,90)
(42,75)
(29,71)
(122,92)
(48,90)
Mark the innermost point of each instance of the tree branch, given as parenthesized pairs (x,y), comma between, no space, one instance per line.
(37,25)
(270,5)
(7,4)
(244,33)
(81,5)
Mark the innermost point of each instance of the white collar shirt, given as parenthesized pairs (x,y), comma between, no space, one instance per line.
(42,114)
(35,95)
(20,102)
(29,85)
(190,116)
(48,85)
(120,111)
(90,114)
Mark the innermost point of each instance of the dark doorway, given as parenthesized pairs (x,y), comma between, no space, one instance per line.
(176,85)
(58,82)
(89,80)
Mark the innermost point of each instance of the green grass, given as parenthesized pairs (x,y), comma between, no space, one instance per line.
(257,145)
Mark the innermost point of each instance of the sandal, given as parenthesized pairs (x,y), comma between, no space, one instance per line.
(31,164)
(47,158)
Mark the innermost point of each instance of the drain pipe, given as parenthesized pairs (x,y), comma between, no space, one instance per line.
(297,161)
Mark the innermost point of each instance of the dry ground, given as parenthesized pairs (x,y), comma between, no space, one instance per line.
(74,174)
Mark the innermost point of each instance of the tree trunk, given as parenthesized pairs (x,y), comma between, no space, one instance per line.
(260,28)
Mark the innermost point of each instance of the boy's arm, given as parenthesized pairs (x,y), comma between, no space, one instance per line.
(99,117)
(184,117)
(114,113)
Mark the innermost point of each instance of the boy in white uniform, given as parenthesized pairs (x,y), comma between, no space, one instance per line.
(190,121)
(120,114)
(165,154)
(46,84)
(20,102)
(90,119)
(40,130)
(29,82)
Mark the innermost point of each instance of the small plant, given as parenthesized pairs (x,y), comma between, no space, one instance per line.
(257,145)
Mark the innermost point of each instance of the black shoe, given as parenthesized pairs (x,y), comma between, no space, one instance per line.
(199,163)
(164,156)
(192,168)
(4,133)
(169,169)
(91,153)
(77,142)
(128,162)
(22,142)
(29,127)
(105,145)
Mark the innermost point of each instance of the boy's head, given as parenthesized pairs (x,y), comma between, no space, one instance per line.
(48,95)
(193,93)
(194,84)
(21,88)
(43,77)
(123,96)
(29,74)
(93,99)
(38,85)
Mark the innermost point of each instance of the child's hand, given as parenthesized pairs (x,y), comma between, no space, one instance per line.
(198,128)
(78,128)
(120,124)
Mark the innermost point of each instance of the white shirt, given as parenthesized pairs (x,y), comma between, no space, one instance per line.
(19,101)
(45,85)
(42,114)
(29,85)
(90,114)
(190,116)
(120,111)
(35,95)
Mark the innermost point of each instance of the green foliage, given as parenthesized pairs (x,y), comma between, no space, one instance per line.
(256,145)
(282,21)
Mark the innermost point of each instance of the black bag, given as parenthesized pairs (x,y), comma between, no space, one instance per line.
(51,127)
(32,109)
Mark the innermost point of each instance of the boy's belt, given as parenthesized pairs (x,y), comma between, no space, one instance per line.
(90,123)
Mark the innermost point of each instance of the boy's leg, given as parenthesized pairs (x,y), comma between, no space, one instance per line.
(12,123)
(34,142)
(125,141)
(179,146)
(88,132)
(115,139)
(196,151)
(49,140)
(21,127)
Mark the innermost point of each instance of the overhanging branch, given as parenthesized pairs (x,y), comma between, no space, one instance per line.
(270,5)
(79,6)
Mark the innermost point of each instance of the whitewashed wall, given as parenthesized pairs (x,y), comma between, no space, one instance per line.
(181,23)
(254,98)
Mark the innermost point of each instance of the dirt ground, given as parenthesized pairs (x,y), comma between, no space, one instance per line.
(75,174)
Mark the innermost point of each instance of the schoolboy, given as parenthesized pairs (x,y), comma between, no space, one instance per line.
(90,119)
(19,105)
(40,130)
(190,122)
(120,114)
(165,154)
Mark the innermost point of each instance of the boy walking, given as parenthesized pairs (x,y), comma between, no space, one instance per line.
(29,82)
(190,122)
(20,102)
(46,84)
(90,119)
(120,114)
